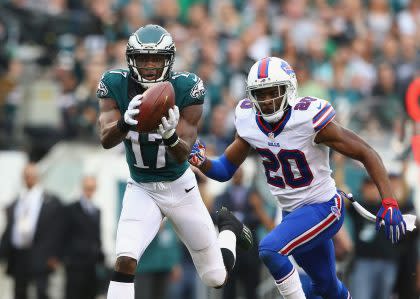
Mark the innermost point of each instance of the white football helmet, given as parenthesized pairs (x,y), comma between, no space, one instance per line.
(270,72)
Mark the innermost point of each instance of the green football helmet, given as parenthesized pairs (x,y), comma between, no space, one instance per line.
(150,55)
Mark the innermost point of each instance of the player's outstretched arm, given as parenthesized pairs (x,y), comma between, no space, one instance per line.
(349,144)
(222,168)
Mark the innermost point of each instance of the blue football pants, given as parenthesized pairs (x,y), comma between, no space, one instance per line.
(306,234)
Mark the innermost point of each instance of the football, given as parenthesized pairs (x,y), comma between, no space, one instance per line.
(156,102)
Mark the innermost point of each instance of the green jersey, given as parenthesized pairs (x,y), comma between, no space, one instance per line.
(146,154)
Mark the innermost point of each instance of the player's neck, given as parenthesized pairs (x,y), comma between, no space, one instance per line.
(275,124)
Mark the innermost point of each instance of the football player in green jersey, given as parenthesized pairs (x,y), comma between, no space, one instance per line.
(161,184)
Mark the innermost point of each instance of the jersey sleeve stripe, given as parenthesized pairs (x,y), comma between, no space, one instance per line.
(325,120)
(321,113)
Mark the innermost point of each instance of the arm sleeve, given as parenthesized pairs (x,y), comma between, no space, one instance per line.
(221,169)
(105,87)
(322,118)
(195,91)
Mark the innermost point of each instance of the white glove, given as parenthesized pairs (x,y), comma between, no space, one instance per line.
(132,110)
(167,128)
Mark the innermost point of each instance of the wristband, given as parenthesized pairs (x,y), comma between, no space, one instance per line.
(221,169)
(123,126)
(171,141)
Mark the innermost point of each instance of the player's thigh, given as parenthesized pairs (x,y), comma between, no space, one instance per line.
(193,224)
(189,215)
(139,222)
(305,228)
(194,227)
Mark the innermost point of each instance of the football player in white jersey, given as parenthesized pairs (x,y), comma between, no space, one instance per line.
(292,136)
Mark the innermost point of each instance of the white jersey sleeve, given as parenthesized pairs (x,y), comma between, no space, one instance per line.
(243,113)
(312,115)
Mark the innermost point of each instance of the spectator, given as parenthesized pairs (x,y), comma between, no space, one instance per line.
(32,241)
(220,135)
(405,286)
(307,85)
(11,94)
(84,250)
(385,93)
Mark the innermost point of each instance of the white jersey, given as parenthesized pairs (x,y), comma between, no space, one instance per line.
(297,169)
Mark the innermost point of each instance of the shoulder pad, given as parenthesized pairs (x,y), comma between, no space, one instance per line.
(243,114)
(319,112)
(243,108)
(108,80)
(189,84)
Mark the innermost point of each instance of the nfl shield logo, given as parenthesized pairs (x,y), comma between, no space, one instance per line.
(271,135)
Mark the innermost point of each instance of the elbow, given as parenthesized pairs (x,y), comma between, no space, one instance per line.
(369,155)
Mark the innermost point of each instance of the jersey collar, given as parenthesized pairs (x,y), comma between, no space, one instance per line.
(270,129)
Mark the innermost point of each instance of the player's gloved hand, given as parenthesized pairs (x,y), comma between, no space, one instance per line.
(198,154)
(133,110)
(167,128)
(394,223)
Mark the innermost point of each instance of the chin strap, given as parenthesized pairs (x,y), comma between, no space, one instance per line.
(273,118)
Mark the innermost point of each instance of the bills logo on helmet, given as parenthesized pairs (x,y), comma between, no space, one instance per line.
(287,68)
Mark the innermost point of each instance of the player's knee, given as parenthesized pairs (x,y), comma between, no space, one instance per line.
(273,260)
(125,264)
(266,255)
(328,290)
(268,244)
(267,252)
(215,278)
(279,265)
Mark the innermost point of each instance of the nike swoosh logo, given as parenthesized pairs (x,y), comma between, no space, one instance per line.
(188,190)
(319,107)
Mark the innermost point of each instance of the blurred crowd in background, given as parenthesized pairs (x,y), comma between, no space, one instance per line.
(358,54)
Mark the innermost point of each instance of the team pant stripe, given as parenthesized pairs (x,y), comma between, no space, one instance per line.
(279,281)
(313,232)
